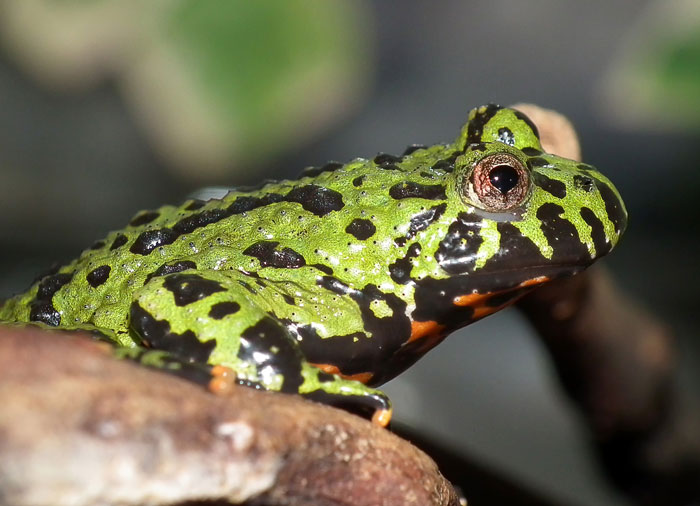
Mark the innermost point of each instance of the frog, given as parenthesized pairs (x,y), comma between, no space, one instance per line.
(333,283)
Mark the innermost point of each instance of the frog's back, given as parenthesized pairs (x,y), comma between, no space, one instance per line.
(242,231)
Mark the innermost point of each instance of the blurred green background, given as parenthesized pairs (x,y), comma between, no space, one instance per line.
(110,106)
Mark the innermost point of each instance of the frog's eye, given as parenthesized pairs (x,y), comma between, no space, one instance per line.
(497,182)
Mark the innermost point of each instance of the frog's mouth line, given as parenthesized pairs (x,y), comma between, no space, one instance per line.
(515,278)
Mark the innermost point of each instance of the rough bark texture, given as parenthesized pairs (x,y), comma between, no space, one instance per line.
(81,428)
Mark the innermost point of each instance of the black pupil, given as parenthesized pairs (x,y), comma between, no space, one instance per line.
(504,178)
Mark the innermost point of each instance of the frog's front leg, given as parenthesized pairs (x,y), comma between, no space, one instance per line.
(216,319)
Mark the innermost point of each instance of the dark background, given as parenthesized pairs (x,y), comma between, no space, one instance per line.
(73,166)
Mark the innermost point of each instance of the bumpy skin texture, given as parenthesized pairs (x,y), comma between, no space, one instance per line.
(344,277)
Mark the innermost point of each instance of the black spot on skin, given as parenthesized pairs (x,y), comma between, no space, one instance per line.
(189,288)
(150,240)
(505,135)
(400,271)
(387,162)
(531,151)
(166,269)
(409,189)
(269,256)
(195,204)
(324,377)
(361,229)
(144,218)
(53,269)
(43,312)
(41,309)
(447,164)
(562,236)
(201,219)
(479,146)
(584,183)
(551,186)
(457,251)
(357,182)
(424,219)
(335,285)
(288,299)
(97,245)
(413,148)
(268,344)
(386,159)
(528,121)
(400,241)
(157,334)
(323,268)
(475,129)
(602,245)
(444,165)
(119,241)
(247,287)
(222,309)
(583,167)
(613,206)
(427,175)
(98,276)
(316,199)
(315,171)
(51,284)
(538,161)
(246,203)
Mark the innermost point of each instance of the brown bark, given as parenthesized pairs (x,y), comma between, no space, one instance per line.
(79,427)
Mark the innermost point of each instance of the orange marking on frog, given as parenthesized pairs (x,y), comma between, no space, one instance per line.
(223,379)
(425,329)
(381,417)
(534,281)
(362,377)
(472,299)
(478,301)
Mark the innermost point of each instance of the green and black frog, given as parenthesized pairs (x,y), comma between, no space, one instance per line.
(333,283)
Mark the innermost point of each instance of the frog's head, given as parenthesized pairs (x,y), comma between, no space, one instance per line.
(522,216)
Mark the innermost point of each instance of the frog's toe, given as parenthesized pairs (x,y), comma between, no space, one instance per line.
(382,417)
(223,379)
(373,404)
